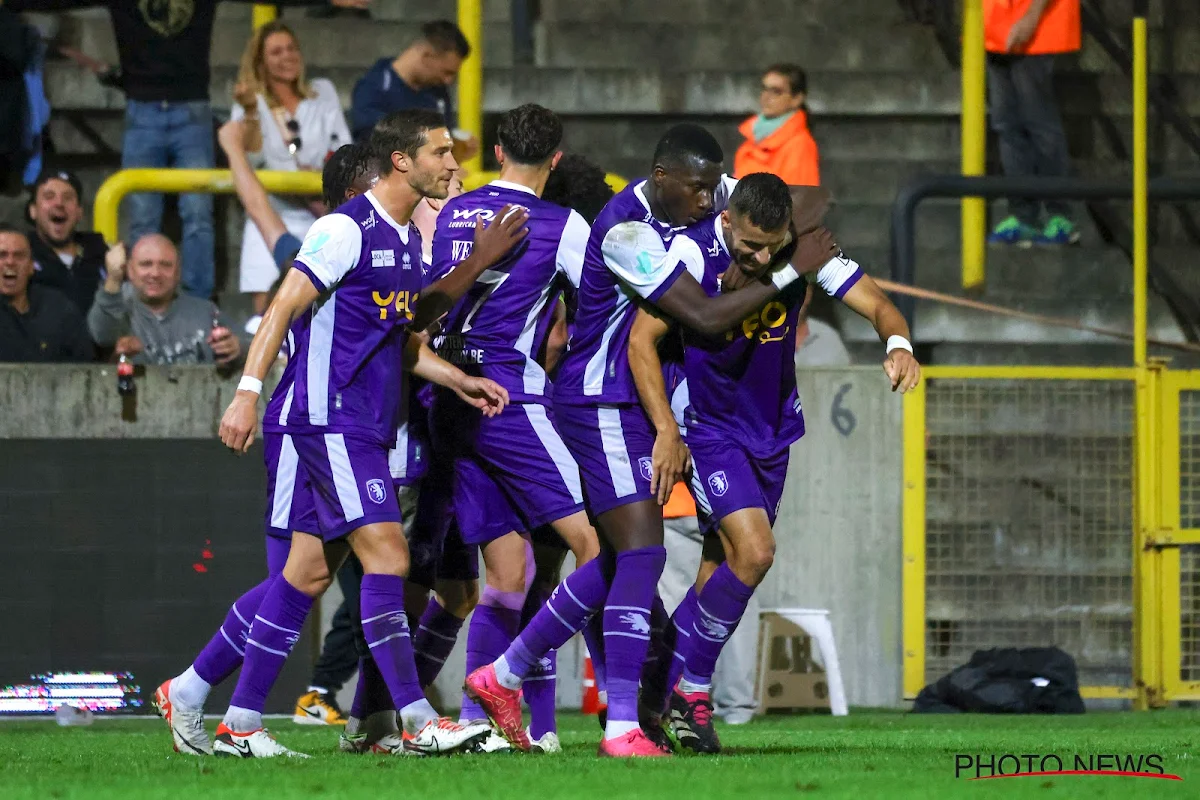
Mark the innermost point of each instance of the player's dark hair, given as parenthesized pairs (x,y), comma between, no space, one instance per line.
(349,164)
(578,184)
(402,132)
(684,142)
(763,199)
(529,134)
(444,36)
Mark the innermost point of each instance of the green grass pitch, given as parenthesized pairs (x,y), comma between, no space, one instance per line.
(866,755)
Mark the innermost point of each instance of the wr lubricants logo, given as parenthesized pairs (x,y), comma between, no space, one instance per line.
(986,766)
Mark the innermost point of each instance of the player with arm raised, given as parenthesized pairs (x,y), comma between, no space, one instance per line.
(346,308)
(597,411)
(742,415)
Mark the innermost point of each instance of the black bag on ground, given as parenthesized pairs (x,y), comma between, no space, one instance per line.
(1007,680)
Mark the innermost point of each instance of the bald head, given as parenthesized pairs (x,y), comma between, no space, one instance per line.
(154,269)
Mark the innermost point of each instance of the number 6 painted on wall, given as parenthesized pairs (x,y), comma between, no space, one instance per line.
(843,418)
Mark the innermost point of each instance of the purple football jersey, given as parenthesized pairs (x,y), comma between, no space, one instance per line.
(626,257)
(345,354)
(498,327)
(743,384)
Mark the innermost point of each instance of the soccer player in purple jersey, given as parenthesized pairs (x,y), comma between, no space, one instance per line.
(496,331)
(612,439)
(346,308)
(742,415)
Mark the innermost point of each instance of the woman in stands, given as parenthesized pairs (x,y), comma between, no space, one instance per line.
(777,138)
(290,124)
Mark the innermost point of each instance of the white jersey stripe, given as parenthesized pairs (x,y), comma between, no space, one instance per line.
(398,457)
(343,476)
(548,436)
(534,377)
(698,493)
(287,403)
(320,353)
(593,374)
(285,485)
(612,438)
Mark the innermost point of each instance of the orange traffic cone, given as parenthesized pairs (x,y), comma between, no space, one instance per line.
(591,693)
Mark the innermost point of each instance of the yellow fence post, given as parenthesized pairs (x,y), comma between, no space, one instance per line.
(261,14)
(470,77)
(974,143)
(913,545)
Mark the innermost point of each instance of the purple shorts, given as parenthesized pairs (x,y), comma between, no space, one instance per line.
(612,445)
(726,478)
(512,472)
(326,484)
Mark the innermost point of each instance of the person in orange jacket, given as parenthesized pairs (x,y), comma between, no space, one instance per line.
(1023,37)
(777,139)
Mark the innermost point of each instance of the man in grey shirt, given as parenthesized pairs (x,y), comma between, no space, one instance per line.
(148,320)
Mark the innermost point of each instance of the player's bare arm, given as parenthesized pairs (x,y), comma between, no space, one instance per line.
(481,393)
(556,340)
(296,294)
(492,243)
(869,301)
(688,303)
(249,190)
(671,460)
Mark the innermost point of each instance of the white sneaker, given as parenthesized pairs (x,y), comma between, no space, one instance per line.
(255,744)
(444,735)
(187,725)
(494,743)
(389,744)
(547,744)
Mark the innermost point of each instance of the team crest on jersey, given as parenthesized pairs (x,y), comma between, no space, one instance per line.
(646,465)
(637,622)
(385,258)
(376,491)
(718,483)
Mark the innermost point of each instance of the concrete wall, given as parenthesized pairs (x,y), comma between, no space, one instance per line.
(838,528)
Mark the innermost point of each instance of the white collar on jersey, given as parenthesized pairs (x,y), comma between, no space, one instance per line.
(516,187)
(400,229)
(720,231)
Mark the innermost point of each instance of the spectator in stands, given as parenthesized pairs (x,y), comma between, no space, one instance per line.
(21,51)
(290,124)
(777,138)
(164,52)
(37,323)
(148,320)
(420,77)
(64,257)
(1023,37)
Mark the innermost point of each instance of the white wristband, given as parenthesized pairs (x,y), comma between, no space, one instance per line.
(782,277)
(250,384)
(893,343)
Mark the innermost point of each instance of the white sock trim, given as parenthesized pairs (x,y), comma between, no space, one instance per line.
(614,729)
(505,675)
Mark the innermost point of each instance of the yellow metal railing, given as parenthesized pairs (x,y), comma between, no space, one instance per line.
(219,181)
(261,14)
(973,124)
(470,78)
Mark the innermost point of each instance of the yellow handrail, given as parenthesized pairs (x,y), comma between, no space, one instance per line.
(470,77)
(261,14)
(219,181)
(1140,192)
(974,143)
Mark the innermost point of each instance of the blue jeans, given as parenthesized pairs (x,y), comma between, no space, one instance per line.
(1026,119)
(166,134)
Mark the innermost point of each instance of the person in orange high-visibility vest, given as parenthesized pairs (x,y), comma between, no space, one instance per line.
(733,680)
(1023,38)
(777,138)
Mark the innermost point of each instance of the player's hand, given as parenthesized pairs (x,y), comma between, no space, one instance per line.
(1021,32)
(670,461)
(735,278)
(493,242)
(486,395)
(240,422)
(902,370)
(813,250)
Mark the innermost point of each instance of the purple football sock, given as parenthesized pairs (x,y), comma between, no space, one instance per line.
(573,601)
(719,609)
(273,633)
(435,637)
(385,627)
(223,654)
(371,695)
(542,682)
(627,627)
(593,637)
(494,625)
